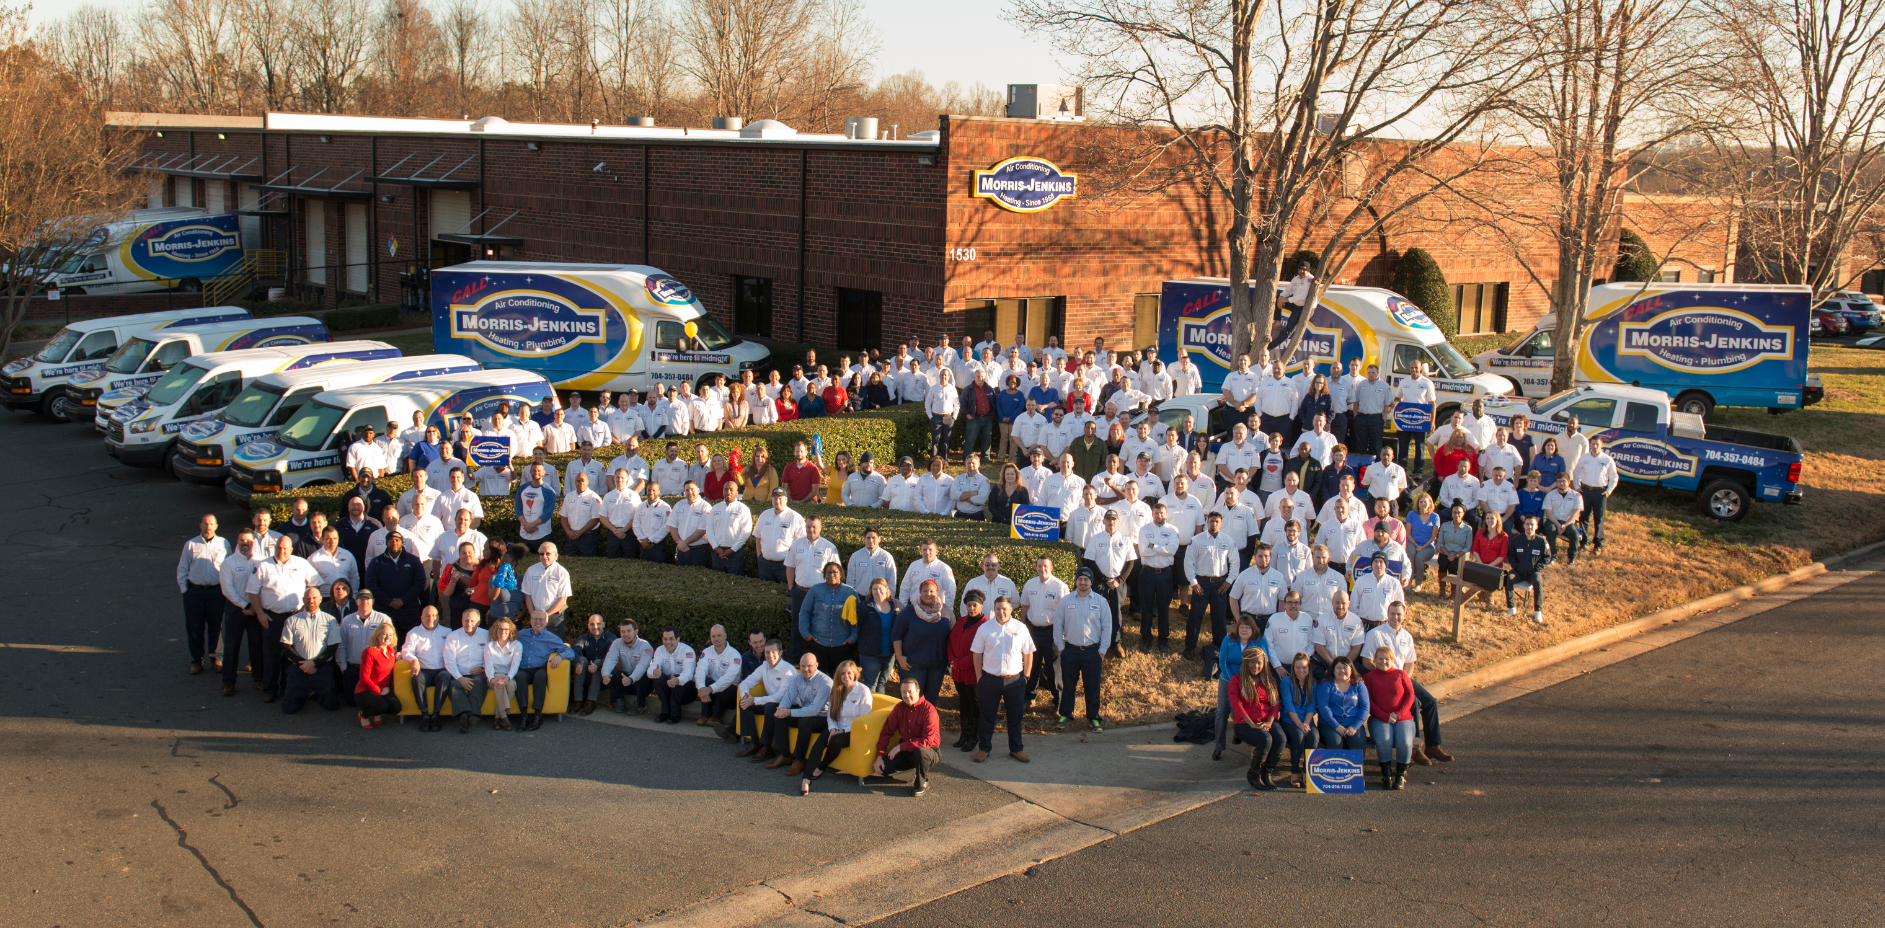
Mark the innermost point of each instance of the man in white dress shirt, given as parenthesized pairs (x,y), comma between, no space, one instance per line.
(1003,652)
(728,529)
(199,579)
(1110,553)
(1595,477)
(618,517)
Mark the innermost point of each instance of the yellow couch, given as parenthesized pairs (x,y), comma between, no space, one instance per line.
(855,760)
(555,701)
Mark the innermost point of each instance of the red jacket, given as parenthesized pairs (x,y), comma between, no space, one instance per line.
(961,636)
(1252,712)
(1446,462)
(376,670)
(915,726)
(1389,691)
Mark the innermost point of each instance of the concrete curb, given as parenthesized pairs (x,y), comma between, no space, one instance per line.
(1514,667)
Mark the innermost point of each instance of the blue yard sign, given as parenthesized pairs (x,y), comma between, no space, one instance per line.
(1335,772)
(491,450)
(1413,417)
(1035,523)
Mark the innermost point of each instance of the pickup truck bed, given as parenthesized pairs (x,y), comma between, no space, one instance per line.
(1753,439)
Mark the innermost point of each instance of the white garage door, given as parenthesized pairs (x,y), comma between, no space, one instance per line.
(215,196)
(451,211)
(316,213)
(357,247)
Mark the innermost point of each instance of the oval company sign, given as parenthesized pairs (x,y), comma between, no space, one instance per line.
(1025,185)
(524,322)
(1706,340)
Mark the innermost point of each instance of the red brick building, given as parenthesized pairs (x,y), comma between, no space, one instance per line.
(821,239)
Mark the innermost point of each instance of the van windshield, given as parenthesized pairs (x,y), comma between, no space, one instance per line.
(309,429)
(711,335)
(1452,363)
(60,346)
(251,407)
(175,385)
(130,357)
(1517,343)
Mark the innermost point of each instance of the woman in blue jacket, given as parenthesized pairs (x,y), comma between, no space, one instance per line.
(1342,707)
(1549,463)
(1298,692)
(1230,660)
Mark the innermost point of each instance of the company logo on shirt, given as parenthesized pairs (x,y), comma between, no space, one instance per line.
(1025,185)
(527,322)
(1706,340)
(1649,459)
(191,243)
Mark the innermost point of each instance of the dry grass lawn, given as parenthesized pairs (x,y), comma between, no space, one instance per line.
(1661,551)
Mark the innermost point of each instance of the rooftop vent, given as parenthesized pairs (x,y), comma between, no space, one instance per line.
(728,122)
(489,122)
(768,129)
(1046,101)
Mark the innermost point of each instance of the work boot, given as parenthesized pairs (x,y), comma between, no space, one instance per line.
(1420,757)
(1387,776)
(1437,753)
(1400,776)
(746,750)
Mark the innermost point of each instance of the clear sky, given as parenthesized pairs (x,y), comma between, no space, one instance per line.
(959,40)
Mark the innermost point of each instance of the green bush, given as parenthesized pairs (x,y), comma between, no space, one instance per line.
(355,318)
(1301,257)
(1634,260)
(658,595)
(1417,276)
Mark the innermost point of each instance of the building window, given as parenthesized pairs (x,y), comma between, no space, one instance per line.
(1480,308)
(860,319)
(1145,321)
(1015,321)
(1672,277)
(1705,276)
(752,306)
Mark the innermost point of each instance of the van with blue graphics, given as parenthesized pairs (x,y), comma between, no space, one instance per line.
(102,392)
(172,247)
(267,404)
(144,432)
(311,449)
(41,380)
(1728,469)
(584,326)
(1378,326)
(1707,345)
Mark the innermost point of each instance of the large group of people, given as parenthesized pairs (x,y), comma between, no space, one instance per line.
(1282,544)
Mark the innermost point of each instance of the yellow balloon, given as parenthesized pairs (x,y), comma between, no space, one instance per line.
(691,329)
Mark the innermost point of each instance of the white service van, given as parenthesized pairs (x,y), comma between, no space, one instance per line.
(146,358)
(143,433)
(585,326)
(38,381)
(163,248)
(311,449)
(267,404)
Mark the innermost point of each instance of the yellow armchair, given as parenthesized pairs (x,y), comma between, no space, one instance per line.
(555,701)
(855,760)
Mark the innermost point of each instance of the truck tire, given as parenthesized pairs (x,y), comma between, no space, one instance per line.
(1697,403)
(190,285)
(702,381)
(1726,500)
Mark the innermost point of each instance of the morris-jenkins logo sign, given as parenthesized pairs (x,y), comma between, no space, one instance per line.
(1025,185)
(527,323)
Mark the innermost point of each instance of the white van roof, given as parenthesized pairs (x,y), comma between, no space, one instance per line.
(365,372)
(627,282)
(167,319)
(425,391)
(215,330)
(278,353)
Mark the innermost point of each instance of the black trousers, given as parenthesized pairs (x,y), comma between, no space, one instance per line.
(1154,594)
(626,546)
(438,680)
(656,551)
(771,570)
(930,677)
(236,624)
(969,708)
(273,666)
(812,729)
(202,619)
(829,656)
(533,686)
(779,730)
(673,697)
(996,694)
(1513,578)
(921,760)
(1368,433)
(1207,600)
(1079,667)
(1043,636)
(756,719)
(372,704)
(1429,710)
(696,555)
(584,545)
(735,565)
(320,683)
(716,705)
(826,747)
(1595,503)
(621,689)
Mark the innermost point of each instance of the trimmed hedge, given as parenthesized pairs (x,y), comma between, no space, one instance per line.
(658,595)
(1418,277)
(1635,262)
(354,318)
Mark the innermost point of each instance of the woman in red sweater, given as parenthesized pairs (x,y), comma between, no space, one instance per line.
(1390,717)
(962,667)
(1254,716)
(374,693)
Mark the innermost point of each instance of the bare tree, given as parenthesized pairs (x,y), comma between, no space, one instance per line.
(463,29)
(1283,110)
(409,50)
(61,174)
(331,38)
(266,31)
(195,49)
(656,71)
(780,59)
(1812,75)
(93,46)
(534,28)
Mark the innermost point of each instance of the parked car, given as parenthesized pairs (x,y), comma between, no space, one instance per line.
(1861,314)
(1827,322)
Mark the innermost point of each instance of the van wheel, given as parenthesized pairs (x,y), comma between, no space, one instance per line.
(702,381)
(1696,403)
(191,285)
(1726,500)
(170,463)
(49,406)
(1444,413)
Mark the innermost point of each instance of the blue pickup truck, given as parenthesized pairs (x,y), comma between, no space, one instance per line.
(1728,469)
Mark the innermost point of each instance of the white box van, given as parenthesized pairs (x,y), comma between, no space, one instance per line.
(311,449)
(143,433)
(145,359)
(165,248)
(39,380)
(266,405)
(584,326)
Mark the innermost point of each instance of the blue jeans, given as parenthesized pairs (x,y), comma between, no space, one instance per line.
(1393,744)
(873,669)
(771,570)
(939,429)
(1328,737)
(505,604)
(1080,667)
(977,433)
(929,677)
(1300,742)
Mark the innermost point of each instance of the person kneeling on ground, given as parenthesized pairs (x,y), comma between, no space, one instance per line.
(799,707)
(917,730)
(309,641)
(774,675)
(373,693)
(849,701)
(625,670)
